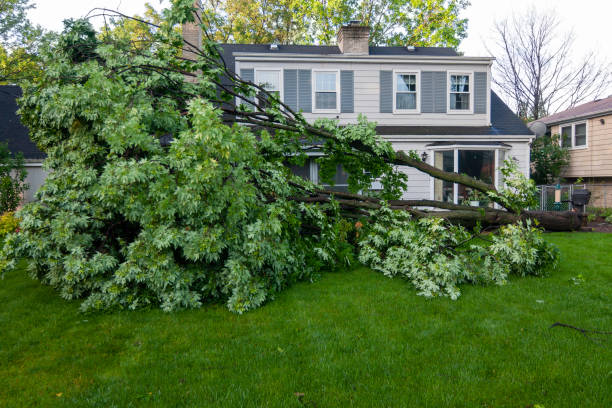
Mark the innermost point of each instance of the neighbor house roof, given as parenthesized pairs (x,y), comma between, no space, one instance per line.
(595,108)
(12,131)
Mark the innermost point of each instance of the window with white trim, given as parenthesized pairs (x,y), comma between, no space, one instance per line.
(310,171)
(406,92)
(326,92)
(574,135)
(460,92)
(270,80)
(482,163)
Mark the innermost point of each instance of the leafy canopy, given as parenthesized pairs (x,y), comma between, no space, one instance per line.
(393,22)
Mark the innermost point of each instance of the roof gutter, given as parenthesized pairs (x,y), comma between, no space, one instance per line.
(374,59)
(577,118)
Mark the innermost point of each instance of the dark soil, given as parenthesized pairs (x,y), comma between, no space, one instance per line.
(599,226)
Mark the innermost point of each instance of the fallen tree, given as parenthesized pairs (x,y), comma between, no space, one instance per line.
(160,195)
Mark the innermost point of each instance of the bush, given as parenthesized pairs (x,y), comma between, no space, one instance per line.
(12,176)
(8,223)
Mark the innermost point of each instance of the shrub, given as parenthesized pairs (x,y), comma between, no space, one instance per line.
(8,223)
(12,176)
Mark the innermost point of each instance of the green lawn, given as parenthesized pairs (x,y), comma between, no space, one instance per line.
(350,339)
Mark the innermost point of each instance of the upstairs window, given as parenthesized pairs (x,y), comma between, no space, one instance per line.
(326,91)
(460,92)
(574,135)
(406,92)
(270,80)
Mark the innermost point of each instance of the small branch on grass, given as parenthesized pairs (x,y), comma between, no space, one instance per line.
(585,332)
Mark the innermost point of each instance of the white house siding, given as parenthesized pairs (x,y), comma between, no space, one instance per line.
(35,178)
(367,91)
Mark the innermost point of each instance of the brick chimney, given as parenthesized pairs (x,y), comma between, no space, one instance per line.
(192,33)
(354,38)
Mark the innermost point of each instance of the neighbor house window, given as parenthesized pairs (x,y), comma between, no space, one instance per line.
(326,91)
(574,135)
(444,190)
(270,80)
(406,99)
(460,92)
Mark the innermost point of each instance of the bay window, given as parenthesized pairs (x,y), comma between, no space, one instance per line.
(480,162)
(326,92)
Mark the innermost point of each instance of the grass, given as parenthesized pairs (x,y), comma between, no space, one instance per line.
(350,339)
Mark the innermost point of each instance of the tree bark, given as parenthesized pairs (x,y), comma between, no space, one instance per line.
(356,206)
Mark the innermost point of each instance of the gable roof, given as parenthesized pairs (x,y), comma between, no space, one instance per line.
(597,107)
(12,131)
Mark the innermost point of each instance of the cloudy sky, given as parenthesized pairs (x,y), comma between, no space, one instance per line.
(590,19)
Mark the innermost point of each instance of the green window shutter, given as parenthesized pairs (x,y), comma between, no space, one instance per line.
(347,92)
(480,92)
(386,91)
(290,88)
(304,90)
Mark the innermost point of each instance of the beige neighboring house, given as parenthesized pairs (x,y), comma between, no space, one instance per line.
(587,131)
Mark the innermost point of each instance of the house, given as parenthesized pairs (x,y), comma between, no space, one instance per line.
(16,136)
(587,131)
(428,99)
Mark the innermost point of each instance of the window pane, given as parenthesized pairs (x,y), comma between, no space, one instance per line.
(405,101)
(580,135)
(301,171)
(460,83)
(460,101)
(566,136)
(326,81)
(269,80)
(479,164)
(443,190)
(406,83)
(325,100)
(340,180)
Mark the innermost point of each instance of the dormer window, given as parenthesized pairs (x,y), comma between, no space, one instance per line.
(405,90)
(460,92)
(326,91)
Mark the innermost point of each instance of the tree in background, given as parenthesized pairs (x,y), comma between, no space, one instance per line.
(12,176)
(548,159)
(393,22)
(20,41)
(537,68)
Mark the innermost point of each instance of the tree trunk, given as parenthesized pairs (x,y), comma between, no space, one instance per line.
(355,205)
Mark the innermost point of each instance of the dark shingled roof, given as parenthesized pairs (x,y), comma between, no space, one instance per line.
(229,49)
(595,108)
(12,130)
(503,123)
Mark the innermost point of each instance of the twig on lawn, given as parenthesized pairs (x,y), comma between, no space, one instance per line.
(585,332)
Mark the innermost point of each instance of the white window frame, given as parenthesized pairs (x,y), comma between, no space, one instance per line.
(455,149)
(417,74)
(314,91)
(573,135)
(450,111)
(280,79)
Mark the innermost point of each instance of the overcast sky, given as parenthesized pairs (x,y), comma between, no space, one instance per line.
(590,19)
